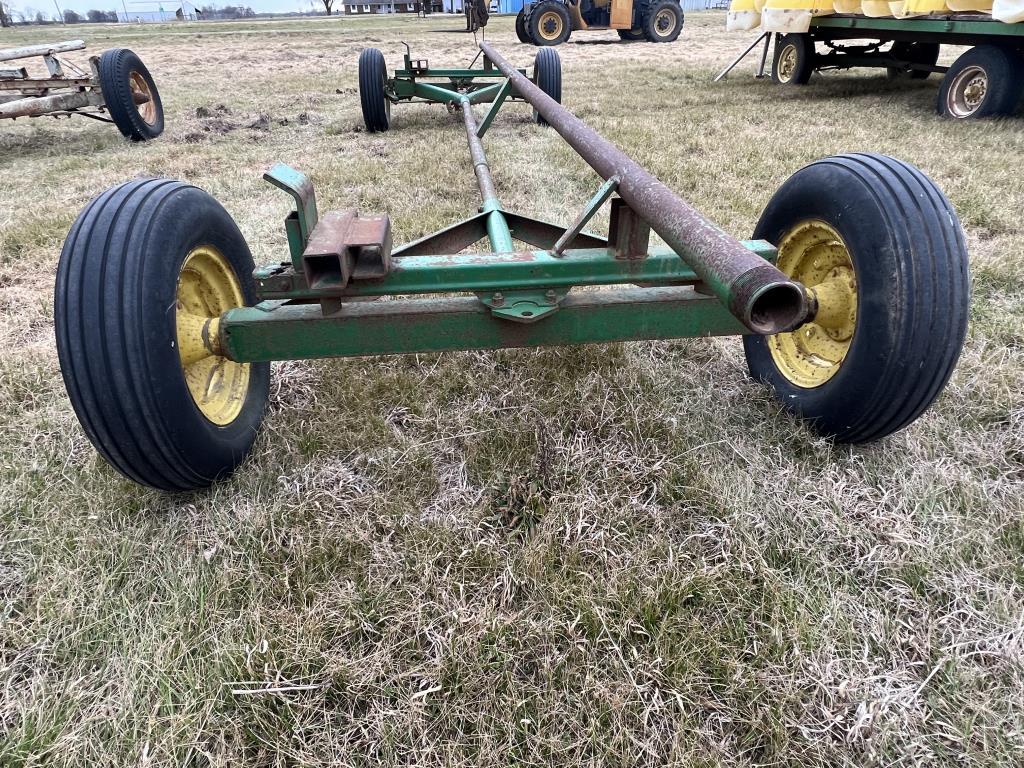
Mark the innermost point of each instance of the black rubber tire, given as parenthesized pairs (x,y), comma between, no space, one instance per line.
(373,74)
(116,334)
(521,32)
(547,75)
(1004,70)
(913,291)
(536,17)
(916,53)
(631,35)
(116,67)
(652,33)
(803,46)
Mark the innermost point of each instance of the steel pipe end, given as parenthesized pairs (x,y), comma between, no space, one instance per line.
(777,307)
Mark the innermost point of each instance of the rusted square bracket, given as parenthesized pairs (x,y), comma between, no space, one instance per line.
(345,246)
(628,235)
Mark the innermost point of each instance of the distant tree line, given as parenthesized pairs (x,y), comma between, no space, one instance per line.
(10,17)
(226,12)
(96,17)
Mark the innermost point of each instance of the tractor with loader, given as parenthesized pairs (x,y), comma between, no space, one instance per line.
(550,22)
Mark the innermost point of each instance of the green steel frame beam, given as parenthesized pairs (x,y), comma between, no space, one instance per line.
(296,332)
(479,272)
(917,25)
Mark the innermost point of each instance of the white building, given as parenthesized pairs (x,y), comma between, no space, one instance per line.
(158,11)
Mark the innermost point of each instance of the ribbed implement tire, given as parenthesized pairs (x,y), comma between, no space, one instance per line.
(547,75)
(115,319)
(116,67)
(913,292)
(372,75)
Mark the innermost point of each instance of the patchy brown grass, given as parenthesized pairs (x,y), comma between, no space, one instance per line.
(621,555)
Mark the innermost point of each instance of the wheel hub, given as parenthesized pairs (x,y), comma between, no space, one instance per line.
(663,21)
(207,288)
(550,25)
(814,254)
(787,63)
(143,98)
(967,92)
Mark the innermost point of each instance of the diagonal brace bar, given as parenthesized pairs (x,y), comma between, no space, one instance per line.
(499,99)
(586,214)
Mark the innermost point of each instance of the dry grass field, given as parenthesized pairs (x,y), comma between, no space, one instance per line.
(599,556)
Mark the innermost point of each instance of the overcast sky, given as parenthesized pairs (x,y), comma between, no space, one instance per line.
(48,8)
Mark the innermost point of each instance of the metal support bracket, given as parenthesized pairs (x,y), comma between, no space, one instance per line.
(767,37)
(499,99)
(523,306)
(300,223)
(628,235)
(599,199)
(346,246)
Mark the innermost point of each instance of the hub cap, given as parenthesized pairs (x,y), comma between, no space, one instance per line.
(967,92)
(664,21)
(207,288)
(143,98)
(815,254)
(550,25)
(787,63)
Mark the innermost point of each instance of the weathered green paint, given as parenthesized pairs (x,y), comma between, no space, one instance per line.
(436,93)
(293,332)
(296,241)
(497,229)
(300,188)
(451,74)
(477,272)
(944,26)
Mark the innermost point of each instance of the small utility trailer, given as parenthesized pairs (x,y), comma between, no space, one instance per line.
(851,298)
(117,89)
(985,81)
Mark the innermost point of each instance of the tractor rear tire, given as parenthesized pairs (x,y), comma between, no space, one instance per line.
(794,59)
(145,270)
(892,289)
(549,23)
(547,75)
(664,22)
(521,32)
(122,77)
(373,74)
(631,35)
(916,53)
(986,81)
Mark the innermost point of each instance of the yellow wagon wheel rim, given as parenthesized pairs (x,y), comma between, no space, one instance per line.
(816,255)
(207,288)
(550,25)
(787,63)
(143,98)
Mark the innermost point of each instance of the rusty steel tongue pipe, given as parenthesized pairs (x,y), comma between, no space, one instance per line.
(762,297)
